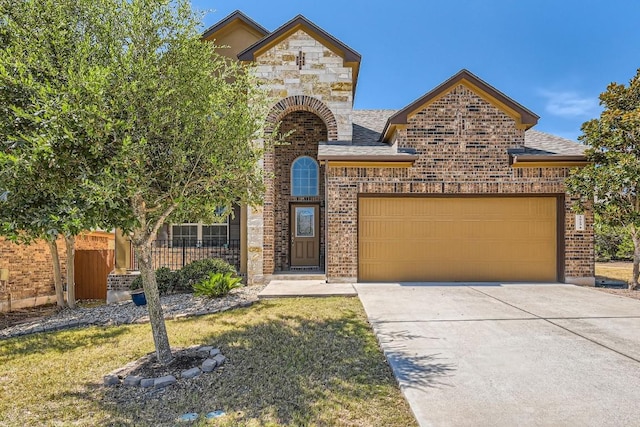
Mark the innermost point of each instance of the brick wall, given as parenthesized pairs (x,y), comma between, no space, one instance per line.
(308,130)
(462,141)
(30,266)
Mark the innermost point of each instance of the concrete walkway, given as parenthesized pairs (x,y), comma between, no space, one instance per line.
(306,288)
(510,355)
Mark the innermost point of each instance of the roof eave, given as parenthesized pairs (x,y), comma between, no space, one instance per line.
(349,55)
(229,19)
(368,158)
(527,118)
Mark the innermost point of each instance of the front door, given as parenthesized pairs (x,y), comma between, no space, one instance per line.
(305,235)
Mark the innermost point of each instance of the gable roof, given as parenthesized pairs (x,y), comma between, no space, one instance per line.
(366,145)
(293,25)
(233,17)
(524,118)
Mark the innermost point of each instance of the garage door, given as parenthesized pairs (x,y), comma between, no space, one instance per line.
(457,239)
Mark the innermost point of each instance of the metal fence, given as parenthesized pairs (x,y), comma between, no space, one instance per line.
(177,253)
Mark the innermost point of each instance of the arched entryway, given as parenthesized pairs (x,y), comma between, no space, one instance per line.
(303,103)
(307,121)
(299,196)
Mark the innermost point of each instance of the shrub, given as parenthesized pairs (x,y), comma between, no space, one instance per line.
(612,242)
(136,284)
(217,285)
(167,281)
(197,271)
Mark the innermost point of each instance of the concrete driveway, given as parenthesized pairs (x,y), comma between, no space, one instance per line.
(510,355)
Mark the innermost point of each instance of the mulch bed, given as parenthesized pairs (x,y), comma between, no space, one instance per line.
(148,367)
(25,315)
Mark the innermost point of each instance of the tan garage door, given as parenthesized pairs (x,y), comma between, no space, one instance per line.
(457,239)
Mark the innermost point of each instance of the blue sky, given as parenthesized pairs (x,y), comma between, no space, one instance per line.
(553,56)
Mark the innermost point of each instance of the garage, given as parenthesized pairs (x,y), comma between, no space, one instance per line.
(477,239)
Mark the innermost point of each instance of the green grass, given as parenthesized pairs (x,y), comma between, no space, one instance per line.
(294,362)
(615,270)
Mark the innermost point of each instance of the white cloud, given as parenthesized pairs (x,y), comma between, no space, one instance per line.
(570,104)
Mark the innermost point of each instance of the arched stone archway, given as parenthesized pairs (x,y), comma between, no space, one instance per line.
(303,103)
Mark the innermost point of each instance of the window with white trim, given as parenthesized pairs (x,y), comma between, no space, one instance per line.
(199,234)
(304,177)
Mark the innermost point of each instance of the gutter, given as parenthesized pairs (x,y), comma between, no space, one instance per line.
(557,160)
(369,158)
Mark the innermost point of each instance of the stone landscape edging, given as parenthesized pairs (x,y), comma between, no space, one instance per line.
(122,376)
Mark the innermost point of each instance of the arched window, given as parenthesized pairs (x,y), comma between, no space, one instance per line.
(304,177)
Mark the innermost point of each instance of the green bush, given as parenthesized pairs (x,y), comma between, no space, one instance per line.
(197,271)
(217,285)
(166,279)
(136,284)
(612,243)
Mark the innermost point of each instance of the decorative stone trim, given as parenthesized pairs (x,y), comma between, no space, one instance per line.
(210,359)
(303,103)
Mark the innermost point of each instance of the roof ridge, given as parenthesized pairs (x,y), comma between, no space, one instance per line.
(527,117)
(230,17)
(350,54)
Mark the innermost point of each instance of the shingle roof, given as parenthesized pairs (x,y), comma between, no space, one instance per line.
(368,125)
(365,142)
(542,143)
(344,150)
(236,15)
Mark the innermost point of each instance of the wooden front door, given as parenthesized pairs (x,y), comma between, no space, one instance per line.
(305,235)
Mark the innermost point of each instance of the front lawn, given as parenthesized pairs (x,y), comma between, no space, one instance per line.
(617,271)
(290,362)
(614,271)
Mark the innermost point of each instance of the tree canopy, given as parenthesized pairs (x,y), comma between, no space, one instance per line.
(612,181)
(131,117)
(47,91)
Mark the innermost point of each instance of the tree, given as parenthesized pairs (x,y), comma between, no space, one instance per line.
(47,89)
(612,181)
(160,127)
(184,147)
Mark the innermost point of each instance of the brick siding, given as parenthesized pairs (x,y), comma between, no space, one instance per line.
(30,267)
(462,141)
(308,130)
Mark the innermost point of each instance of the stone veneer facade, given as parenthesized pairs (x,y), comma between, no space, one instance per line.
(323,88)
(462,143)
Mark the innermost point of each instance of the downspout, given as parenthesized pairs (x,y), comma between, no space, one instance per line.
(326,218)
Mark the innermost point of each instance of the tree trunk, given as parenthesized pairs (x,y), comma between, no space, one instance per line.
(57,273)
(150,286)
(71,271)
(635,235)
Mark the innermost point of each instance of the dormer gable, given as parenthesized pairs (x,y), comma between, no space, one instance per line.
(234,33)
(523,117)
(350,57)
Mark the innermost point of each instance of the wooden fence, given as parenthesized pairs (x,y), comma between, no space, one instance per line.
(91,270)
